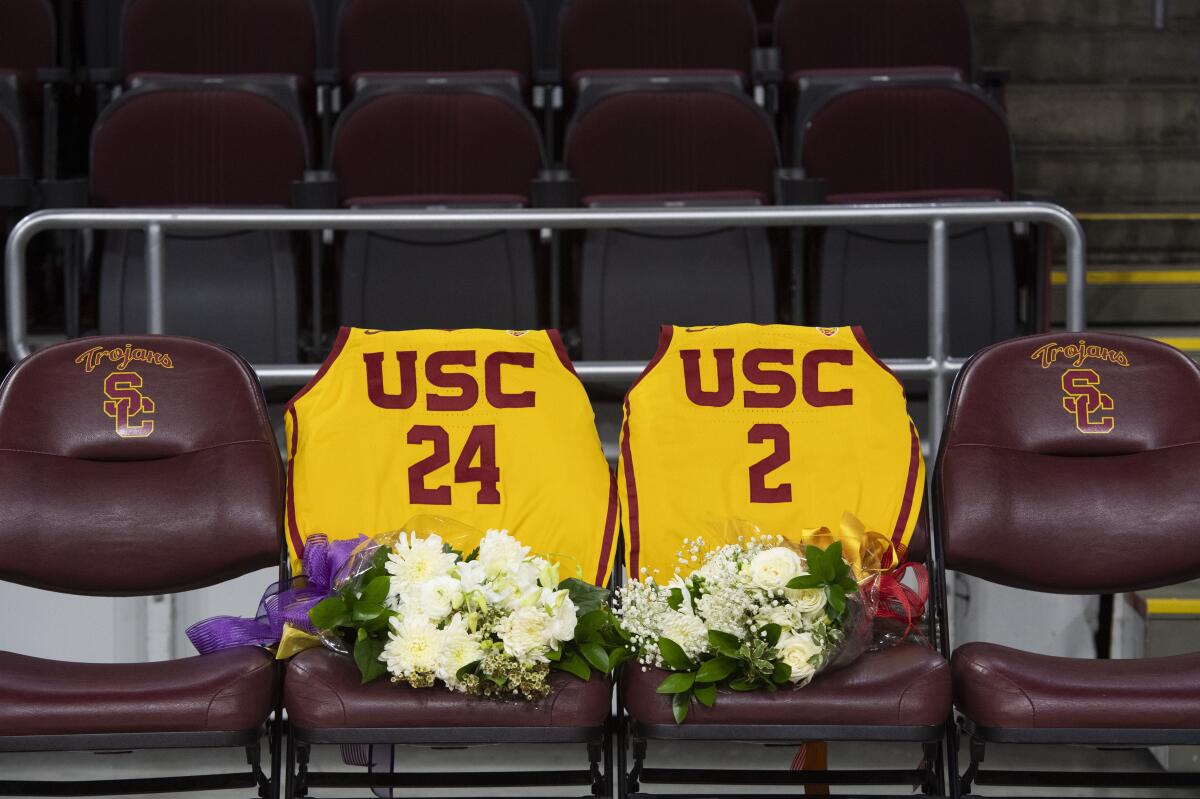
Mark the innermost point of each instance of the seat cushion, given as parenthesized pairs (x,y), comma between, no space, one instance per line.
(227,691)
(996,686)
(322,690)
(905,685)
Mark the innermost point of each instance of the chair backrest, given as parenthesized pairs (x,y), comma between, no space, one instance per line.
(834,34)
(219,37)
(14,144)
(435,144)
(135,465)
(1069,463)
(435,36)
(28,35)
(196,144)
(659,142)
(657,34)
(933,139)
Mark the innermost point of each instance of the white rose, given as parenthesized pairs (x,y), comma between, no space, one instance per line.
(526,635)
(562,620)
(471,575)
(435,599)
(798,650)
(772,568)
(686,630)
(500,552)
(807,600)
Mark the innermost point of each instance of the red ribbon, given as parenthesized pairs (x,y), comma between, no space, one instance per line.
(898,601)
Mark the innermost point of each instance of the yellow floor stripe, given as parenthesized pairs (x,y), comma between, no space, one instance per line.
(1173,606)
(1132,277)
(1146,216)
(1185,343)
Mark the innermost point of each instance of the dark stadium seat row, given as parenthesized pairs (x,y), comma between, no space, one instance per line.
(1013,476)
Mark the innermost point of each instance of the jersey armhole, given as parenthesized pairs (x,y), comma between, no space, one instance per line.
(665,333)
(338,344)
(861,338)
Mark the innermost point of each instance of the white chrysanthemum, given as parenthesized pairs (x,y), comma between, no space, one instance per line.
(414,560)
(458,648)
(802,653)
(686,630)
(771,569)
(499,552)
(562,618)
(526,635)
(414,646)
(434,599)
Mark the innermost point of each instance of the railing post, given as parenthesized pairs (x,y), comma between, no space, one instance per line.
(939,322)
(155,269)
(1076,277)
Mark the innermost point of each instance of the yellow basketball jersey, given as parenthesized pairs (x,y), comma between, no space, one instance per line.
(784,427)
(489,428)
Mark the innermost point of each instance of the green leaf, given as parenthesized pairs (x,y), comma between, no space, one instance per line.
(554,654)
(819,564)
(715,670)
(677,682)
(837,599)
(376,590)
(673,655)
(773,631)
(329,614)
(616,657)
(782,673)
(365,611)
(675,599)
(573,663)
(472,555)
(586,596)
(724,643)
(744,684)
(679,706)
(596,655)
(589,624)
(706,694)
(366,656)
(805,581)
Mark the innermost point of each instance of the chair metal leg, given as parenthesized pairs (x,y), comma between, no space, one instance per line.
(289,789)
(276,732)
(978,751)
(622,773)
(952,759)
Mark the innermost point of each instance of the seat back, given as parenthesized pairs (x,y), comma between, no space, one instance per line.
(912,143)
(28,39)
(135,465)
(660,147)
(15,156)
(657,34)
(872,34)
(219,37)
(435,36)
(437,147)
(202,144)
(1068,465)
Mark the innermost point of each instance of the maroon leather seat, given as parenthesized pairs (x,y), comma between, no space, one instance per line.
(226,691)
(153,456)
(906,685)
(1006,688)
(323,690)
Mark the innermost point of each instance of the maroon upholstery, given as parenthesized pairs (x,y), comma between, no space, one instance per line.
(323,690)
(168,477)
(833,34)
(1000,687)
(28,39)
(435,36)
(1028,499)
(428,143)
(882,139)
(226,691)
(906,685)
(219,37)
(657,34)
(189,145)
(672,143)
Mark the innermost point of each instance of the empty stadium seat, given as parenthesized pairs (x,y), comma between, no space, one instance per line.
(911,143)
(437,148)
(605,39)
(661,147)
(480,42)
(1067,467)
(164,470)
(207,144)
(28,43)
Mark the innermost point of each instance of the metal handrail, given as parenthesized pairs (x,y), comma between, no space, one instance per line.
(937,367)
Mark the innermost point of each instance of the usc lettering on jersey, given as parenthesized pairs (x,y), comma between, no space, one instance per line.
(784,427)
(489,428)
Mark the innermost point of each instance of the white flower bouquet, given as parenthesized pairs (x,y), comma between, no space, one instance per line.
(755,614)
(493,622)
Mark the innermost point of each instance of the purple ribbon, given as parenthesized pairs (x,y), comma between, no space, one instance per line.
(281,603)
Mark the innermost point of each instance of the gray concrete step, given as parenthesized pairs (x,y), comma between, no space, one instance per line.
(1137,293)
(1122,13)
(1151,234)
(1111,177)
(1074,55)
(1105,115)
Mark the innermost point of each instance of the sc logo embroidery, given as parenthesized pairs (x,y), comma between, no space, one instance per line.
(1086,402)
(126,402)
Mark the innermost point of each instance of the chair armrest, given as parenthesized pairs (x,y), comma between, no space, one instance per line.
(554,188)
(318,190)
(16,192)
(793,188)
(766,65)
(68,193)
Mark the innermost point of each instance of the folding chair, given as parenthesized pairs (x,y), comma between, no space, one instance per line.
(1068,467)
(131,466)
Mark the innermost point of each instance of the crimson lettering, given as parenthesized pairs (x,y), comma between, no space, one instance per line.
(756,371)
(453,371)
